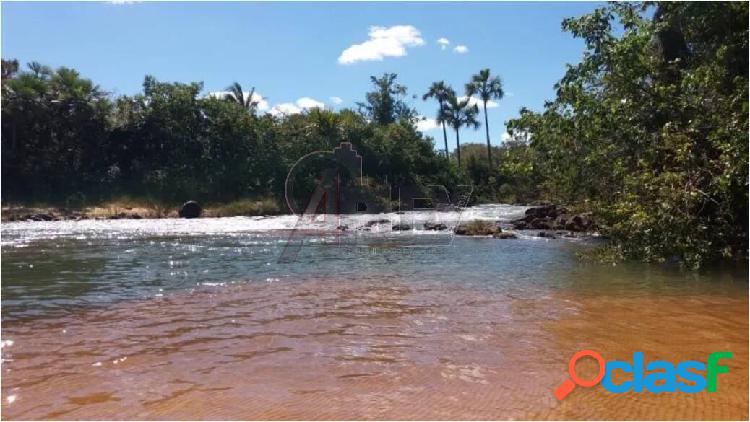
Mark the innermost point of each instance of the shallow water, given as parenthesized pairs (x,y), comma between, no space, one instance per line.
(200,319)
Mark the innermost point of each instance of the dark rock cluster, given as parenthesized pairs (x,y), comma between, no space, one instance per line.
(551,217)
(435,226)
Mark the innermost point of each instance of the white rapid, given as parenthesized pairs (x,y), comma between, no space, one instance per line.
(20,233)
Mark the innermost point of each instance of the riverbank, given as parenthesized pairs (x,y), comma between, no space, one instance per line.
(134,209)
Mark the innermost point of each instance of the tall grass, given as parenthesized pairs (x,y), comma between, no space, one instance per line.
(246,207)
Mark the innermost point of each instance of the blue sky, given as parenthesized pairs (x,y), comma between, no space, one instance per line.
(298,55)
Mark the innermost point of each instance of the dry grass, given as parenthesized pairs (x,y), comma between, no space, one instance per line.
(244,207)
(126,207)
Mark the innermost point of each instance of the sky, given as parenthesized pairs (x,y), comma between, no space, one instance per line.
(302,55)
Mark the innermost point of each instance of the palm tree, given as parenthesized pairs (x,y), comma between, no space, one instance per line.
(488,88)
(458,113)
(40,71)
(237,95)
(67,84)
(440,91)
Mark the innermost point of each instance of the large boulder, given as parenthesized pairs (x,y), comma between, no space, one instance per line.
(477,228)
(190,209)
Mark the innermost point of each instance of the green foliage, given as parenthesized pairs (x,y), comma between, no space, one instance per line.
(63,138)
(651,130)
(50,118)
(385,105)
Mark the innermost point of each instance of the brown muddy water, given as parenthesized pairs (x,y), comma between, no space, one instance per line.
(171,319)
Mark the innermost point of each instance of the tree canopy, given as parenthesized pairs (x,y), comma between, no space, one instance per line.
(651,129)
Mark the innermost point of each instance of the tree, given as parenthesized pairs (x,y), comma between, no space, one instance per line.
(458,113)
(441,92)
(9,68)
(40,71)
(650,130)
(488,88)
(237,95)
(385,105)
(53,133)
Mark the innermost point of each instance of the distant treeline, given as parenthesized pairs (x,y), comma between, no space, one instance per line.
(649,131)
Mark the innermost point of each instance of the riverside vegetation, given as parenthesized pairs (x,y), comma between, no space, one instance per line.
(649,132)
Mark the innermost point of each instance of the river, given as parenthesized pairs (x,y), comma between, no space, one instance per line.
(272,318)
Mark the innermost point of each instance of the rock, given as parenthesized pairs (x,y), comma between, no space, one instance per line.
(401,227)
(561,221)
(576,223)
(572,226)
(546,234)
(135,216)
(551,217)
(505,235)
(539,223)
(520,224)
(477,228)
(543,211)
(376,222)
(40,217)
(584,221)
(190,209)
(435,226)
(342,227)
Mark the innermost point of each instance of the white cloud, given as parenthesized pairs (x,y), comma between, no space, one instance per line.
(302,104)
(383,42)
(122,2)
(424,124)
(262,104)
(505,137)
(443,43)
(336,100)
(308,103)
(285,109)
(478,102)
(461,49)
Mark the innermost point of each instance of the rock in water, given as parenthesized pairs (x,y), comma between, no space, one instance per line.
(477,228)
(190,209)
(435,226)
